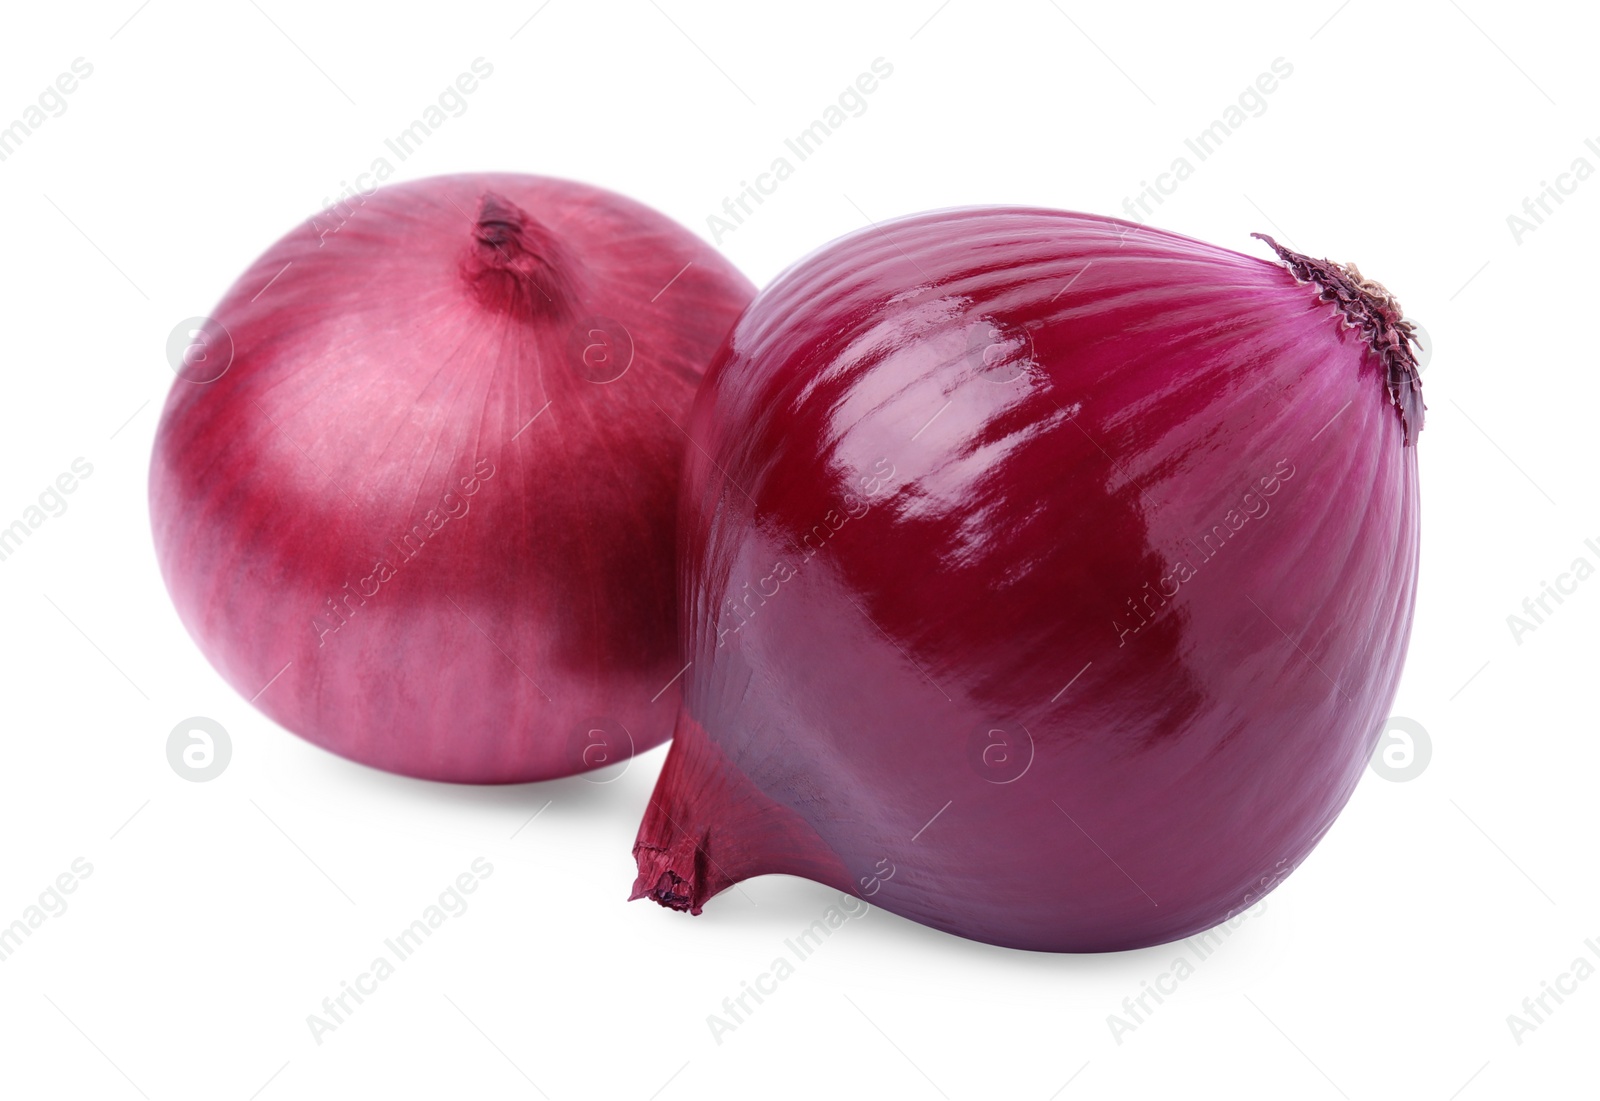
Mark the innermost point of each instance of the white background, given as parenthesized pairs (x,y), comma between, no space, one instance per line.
(219,915)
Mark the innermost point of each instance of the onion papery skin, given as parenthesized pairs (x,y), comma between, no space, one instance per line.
(424,518)
(942,478)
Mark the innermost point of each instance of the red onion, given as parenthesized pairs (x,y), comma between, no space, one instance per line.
(1045,578)
(423,518)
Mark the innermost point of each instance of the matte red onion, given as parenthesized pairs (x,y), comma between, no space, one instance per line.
(1046,577)
(414,490)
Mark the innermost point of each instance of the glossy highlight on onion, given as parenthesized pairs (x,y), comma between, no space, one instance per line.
(1046,578)
(414,492)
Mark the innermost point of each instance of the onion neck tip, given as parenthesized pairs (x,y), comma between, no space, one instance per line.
(1367,305)
(513,264)
(671,878)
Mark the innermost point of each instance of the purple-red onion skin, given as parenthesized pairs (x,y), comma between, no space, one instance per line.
(409,412)
(933,466)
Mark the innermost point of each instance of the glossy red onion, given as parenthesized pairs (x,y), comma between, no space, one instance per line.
(414,490)
(1045,577)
